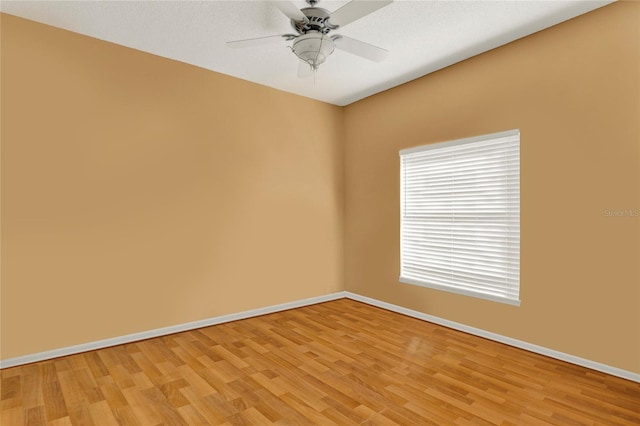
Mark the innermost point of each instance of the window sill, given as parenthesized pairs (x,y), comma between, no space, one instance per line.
(478,295)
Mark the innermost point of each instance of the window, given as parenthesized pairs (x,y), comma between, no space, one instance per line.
(460,216)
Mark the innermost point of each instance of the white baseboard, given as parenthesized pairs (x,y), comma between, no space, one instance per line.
(71,350)
(614,371)
(99,344)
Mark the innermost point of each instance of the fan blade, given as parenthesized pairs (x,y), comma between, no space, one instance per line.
(291,11)
(355,10)
(304,70)
(256,41)
(360,48)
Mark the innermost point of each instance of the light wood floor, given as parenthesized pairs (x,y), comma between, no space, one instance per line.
(339,362)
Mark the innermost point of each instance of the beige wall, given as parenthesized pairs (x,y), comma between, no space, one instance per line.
(574,92)
(139,192)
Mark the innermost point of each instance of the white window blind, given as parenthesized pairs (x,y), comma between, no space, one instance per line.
(460,216)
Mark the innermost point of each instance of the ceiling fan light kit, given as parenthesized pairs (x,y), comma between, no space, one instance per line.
(313,48)
(312,44)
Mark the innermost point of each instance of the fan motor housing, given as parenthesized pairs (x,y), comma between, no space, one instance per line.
(318,21)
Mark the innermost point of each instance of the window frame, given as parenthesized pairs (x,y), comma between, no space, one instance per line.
(510,136)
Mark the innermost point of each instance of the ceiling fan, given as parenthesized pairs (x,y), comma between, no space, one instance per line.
(312,43)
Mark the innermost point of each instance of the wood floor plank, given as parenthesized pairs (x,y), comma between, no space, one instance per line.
(33,416)
(63,421)
(102,414)
(340,362)
(163,407)
(80,415)
(12,416)
(255,417)
(192,416)
(203,407)
(144,412)
(126,416)
(55,407)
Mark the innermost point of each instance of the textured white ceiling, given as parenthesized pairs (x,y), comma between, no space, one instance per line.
(422,36)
